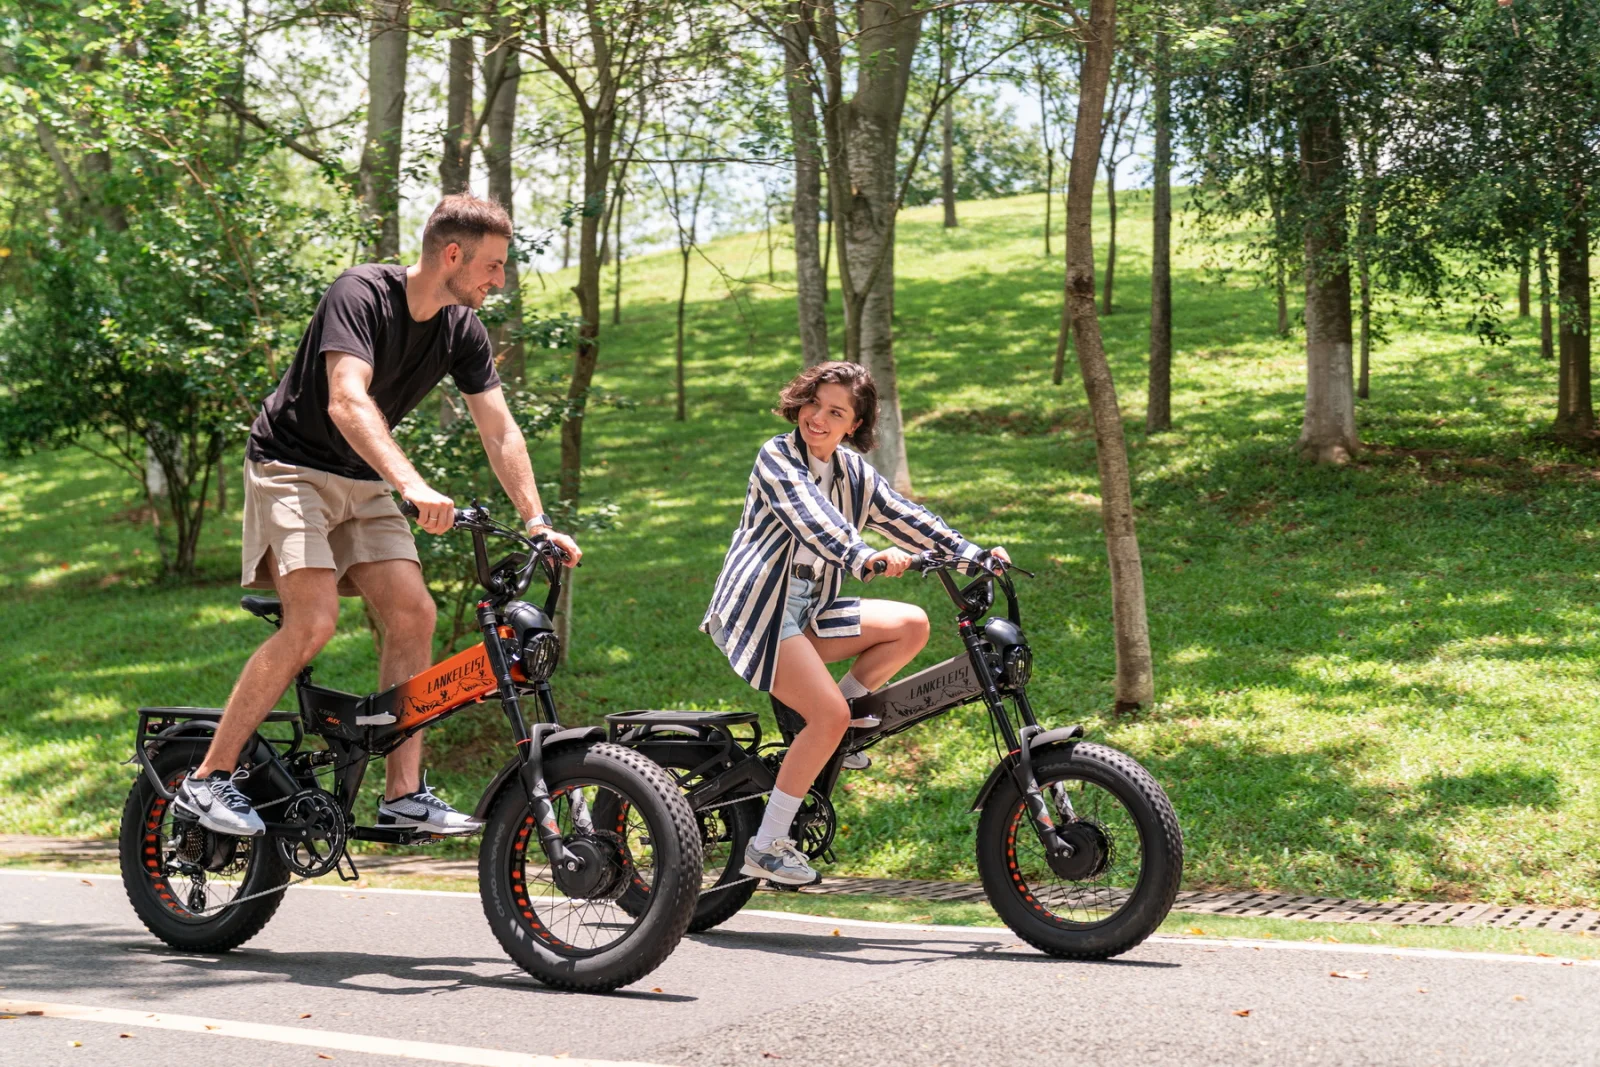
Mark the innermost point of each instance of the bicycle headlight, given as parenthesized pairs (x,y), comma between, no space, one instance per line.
(1018,666)
(540,653)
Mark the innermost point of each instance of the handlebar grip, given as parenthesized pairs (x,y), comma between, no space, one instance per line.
(879,566)
(410,511)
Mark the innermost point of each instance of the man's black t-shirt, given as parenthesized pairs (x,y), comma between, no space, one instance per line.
(365,314)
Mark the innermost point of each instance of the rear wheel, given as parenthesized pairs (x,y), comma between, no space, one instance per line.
(570,930)
(1123,875)
(196,890)
(725,827)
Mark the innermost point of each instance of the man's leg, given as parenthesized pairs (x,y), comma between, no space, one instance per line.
(310,614)
(395,591)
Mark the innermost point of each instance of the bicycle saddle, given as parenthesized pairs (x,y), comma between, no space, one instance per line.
(261,607)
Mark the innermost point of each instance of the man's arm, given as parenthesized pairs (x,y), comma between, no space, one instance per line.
(503,443)
(358,419)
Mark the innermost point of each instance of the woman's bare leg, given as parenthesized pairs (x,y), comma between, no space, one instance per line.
(892,633)
(803,683)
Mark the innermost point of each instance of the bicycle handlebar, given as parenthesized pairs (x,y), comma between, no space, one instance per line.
(477,519)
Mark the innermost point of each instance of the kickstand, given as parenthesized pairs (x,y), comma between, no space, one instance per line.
(354,874)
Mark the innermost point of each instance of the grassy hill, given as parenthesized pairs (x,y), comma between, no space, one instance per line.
(1378,680)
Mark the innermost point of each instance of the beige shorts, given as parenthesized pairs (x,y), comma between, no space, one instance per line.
(310,518)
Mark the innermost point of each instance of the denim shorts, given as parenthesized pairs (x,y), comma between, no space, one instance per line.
(798,610)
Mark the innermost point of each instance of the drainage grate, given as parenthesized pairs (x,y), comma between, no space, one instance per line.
(1275,906)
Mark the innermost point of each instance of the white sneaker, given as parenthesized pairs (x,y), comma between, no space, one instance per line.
(856,761)
(218,804)
(780,862)
(424,811)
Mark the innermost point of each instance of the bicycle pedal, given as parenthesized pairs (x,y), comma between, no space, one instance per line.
(382,719)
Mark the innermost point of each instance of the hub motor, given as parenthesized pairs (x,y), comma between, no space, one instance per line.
(1091,851)
(605,867)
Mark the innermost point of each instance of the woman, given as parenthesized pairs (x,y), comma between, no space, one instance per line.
(776,612)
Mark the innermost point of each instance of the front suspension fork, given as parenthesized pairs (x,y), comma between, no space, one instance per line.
(528,747)
(1020,742)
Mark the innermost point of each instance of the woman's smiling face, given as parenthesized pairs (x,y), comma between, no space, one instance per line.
(827,418)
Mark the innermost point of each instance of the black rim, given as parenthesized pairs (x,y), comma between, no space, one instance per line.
(592,921)
(1107,869)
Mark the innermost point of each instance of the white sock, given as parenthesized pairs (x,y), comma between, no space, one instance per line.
(779,817)
(851,687)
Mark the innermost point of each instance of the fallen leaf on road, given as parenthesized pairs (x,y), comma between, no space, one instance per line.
(1518,996)
(1243,1013)
(655,989)
(1422,989)
(323,1056)
(86,881)
(1194,930)
(835,932)
(33,1013)
(208,1026)
(1546,955)
(75,1044)
(770,1055)
(1347,974)
(1564,963)
(124,1035)
(305,1015)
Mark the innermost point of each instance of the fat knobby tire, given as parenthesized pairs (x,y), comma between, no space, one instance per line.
(1162,843)
(229,928)
(676,846)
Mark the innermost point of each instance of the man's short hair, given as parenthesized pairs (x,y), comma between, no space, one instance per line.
(465,220)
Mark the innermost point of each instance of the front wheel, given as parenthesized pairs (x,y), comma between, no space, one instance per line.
(571,930)
(1123,875)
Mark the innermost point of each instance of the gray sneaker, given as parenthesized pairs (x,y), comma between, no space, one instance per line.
(856,761)
(780,862)
(218,804)
(424,811)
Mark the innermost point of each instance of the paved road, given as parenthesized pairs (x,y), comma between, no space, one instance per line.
(763,989)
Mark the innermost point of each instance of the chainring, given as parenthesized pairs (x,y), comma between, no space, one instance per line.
(329,830)
(814,825)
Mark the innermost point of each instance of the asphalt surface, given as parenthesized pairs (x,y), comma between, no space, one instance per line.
(388,977)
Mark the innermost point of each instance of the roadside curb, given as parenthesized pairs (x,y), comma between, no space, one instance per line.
(1236,903)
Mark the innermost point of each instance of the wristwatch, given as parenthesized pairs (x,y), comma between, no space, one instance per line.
(541,519)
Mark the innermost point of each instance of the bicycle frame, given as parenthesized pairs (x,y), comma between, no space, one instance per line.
(491,668)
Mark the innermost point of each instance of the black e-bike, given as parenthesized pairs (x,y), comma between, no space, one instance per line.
(1078,846)
(551,872)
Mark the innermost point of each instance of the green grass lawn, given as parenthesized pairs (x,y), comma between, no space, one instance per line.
(1375,681)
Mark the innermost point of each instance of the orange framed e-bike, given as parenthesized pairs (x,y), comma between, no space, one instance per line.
(551,876)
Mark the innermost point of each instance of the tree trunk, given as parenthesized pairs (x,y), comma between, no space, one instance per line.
(616,289)
(888,32)
(1281,282)
(1524,288)
(683,297)
(1135,681)
(810,270)
(1049,158)
(1111,241)
(455,161)
(503,73)
(1547,335)
(1367,231)
(1158,406)
(386,106)
(1574,408)
(947,120)
(1328,432)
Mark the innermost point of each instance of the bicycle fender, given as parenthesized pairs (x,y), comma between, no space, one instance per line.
(1057,736)
(547,735)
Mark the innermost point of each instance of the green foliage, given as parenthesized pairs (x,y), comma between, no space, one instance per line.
(443,444)
(995,156)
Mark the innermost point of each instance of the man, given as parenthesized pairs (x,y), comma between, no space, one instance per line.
(319,521)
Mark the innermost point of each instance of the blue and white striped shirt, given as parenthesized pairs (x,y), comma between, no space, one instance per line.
(783,507)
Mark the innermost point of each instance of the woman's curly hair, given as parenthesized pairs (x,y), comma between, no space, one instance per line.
(854,377)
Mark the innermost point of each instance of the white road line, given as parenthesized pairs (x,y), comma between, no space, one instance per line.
(318,1039)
